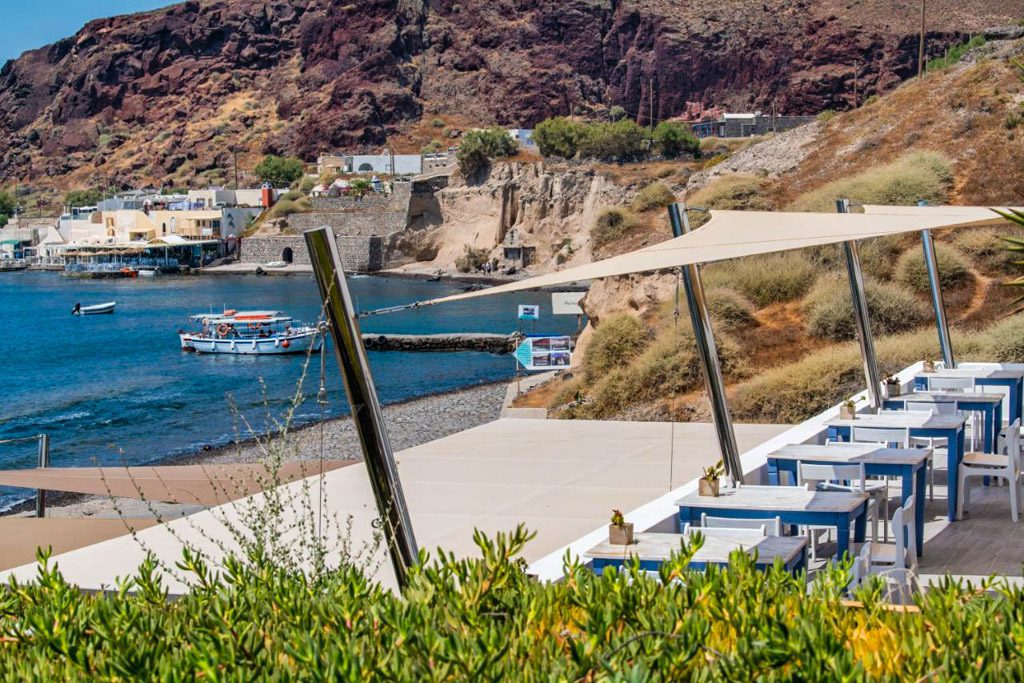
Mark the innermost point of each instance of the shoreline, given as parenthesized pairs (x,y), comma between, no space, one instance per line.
(409,423)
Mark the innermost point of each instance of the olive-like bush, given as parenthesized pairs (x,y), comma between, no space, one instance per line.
(828,309)
(954,270)
(611,225)
(653,196)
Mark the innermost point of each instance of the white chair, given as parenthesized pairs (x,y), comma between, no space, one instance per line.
(829,477)
(728,532)
(934,443)
(860,569)
(993,465)
(769,527)
(885,437)
(902,552)
(951,383)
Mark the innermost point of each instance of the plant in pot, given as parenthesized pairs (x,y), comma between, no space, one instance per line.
(890,386)
(848,409)
(708,484)
(620,532)
(928,366)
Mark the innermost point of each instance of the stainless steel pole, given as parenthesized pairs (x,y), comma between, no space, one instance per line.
(362,398)
(44,461)
(945,344)
(700,318)
(860,312)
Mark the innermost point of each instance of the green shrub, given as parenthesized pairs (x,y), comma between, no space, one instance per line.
(878,255)
(619,141)
(432,147)
(616,112)
(1004,341)
(479,147)
(912,177)
(674,139)
(954,54)
(559,137)
(279,171)
(765,279)
(306,185)
(617,340)
(437,123)
(654,196)
(734,192)
(953,268)
(826,115)
(612,225)
(89,197)
(483,618)
(829,312)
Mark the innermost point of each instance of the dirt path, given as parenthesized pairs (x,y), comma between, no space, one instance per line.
(983,284)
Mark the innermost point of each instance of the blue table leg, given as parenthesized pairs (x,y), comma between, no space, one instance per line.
(842,537)
(990,420)
(955,453)
(919,499)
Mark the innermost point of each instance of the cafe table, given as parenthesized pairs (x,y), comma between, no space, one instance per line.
(989,405)
(996,377)
(909,464)
(949,427)
(794,505)
(652,549)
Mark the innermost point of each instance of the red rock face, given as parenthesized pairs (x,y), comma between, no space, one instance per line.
(343,75)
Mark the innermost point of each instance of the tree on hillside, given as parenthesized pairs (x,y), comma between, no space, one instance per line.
(279,171)
(479,147)
(674,139)
(6,207)
(559,137)
(88,197)
(619,141)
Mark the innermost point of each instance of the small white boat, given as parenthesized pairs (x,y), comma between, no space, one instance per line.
(247,333)
(148,272)
(95,309)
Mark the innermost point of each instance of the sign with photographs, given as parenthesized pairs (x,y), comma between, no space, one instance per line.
(529,312)
(544,353)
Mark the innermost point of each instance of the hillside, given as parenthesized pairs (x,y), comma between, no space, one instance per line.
(165,96)
(784,322)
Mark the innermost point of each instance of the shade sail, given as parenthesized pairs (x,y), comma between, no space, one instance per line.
(734,234)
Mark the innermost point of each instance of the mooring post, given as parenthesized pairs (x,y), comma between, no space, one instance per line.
(43,462)
(362,399)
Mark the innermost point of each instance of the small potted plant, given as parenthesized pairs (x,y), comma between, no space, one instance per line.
(848,409)
(890,386)
(708,484)
(928,366)
(620,532)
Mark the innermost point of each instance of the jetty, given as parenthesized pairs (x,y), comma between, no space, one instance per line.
(458,341)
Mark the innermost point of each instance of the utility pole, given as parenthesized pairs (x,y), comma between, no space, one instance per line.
(651,106)
(234,163)
(920,46)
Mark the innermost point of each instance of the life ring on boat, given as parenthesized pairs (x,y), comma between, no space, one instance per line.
(223,329)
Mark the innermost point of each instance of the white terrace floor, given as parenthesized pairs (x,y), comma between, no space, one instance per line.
(561,478)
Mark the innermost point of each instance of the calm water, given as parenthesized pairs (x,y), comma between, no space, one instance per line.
(113,386)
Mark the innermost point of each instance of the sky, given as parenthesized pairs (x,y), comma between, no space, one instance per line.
(28,24)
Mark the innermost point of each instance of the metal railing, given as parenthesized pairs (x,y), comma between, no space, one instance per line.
(42,461)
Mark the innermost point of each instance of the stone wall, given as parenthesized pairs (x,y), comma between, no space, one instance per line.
(354,224)
(358,254)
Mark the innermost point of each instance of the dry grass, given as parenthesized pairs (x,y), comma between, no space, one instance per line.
(829,310)
(611,226)
(616,341)
(954,269)
(912,177)
(654,196)
(765,279)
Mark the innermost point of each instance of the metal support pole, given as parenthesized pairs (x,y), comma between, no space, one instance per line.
(700,318)
(44,461)
(362,398)
(860,312)
(945,344)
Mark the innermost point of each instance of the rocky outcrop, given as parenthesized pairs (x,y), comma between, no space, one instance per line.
(167,94)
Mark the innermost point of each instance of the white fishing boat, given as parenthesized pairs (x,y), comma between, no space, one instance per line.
(249,333)
(148,271)
(95,309)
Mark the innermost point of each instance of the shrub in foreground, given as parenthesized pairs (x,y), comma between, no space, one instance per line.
(485,619)
(765,279)
(954,270)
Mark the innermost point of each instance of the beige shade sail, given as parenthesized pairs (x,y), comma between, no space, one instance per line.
(733,234)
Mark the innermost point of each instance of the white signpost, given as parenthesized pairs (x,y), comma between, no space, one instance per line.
(529,312)
(567,303)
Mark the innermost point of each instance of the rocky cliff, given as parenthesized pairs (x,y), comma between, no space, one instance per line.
(169,95)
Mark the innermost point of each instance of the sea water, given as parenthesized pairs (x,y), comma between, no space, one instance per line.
(113,389)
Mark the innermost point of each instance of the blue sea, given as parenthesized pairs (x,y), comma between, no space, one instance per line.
(117,388)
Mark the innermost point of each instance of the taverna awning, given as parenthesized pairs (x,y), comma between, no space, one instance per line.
(734,234)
